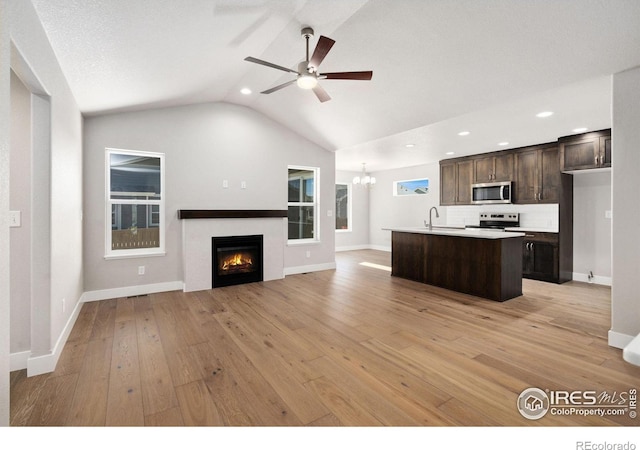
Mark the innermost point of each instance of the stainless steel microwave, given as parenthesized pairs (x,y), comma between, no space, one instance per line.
(498,192)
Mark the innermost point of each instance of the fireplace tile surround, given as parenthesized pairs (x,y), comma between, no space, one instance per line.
(198,231)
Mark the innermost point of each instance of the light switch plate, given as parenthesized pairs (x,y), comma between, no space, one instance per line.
(15,219)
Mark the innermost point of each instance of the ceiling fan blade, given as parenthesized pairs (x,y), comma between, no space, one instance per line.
(278,87)
(268,64)
(321,93)
(364,75)
(322,48)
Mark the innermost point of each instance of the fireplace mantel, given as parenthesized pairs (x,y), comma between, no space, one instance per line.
(230,213)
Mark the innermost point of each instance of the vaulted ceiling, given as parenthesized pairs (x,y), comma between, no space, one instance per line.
(439,66)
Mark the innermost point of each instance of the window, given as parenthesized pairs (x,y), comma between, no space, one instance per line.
(303,200)
(135,203)
(343,207)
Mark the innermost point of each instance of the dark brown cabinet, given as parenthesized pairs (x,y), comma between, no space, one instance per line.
(538,178)
(493,168)
(456,178)
(585,151)
(540,257)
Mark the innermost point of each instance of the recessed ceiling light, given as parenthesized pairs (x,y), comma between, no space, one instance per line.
(410,145)
(502,144)
(580,130)
(245,91)
(544,114)
(450,153)
(463,133)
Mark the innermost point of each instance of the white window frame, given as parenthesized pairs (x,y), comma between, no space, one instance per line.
(316,206)
(136,252)
(349,209)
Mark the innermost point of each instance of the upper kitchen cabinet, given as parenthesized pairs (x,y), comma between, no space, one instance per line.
(493,168)
(456,178)
(585,151)
(537,175)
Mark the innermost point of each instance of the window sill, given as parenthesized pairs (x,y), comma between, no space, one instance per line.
(348,230)
(135,255)
(298,242)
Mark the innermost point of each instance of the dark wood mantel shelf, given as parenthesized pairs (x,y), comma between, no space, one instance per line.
(230,213)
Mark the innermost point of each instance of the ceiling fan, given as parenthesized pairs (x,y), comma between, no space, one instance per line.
(307,73)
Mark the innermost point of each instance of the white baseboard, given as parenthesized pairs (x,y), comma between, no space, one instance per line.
(309,268)
(349,248)
(18,361)
(37,365)
(382,248)
(128,291)
(597,279)
(619,340)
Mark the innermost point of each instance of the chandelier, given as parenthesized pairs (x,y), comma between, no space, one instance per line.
(364,179)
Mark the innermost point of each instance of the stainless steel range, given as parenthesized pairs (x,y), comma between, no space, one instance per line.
(497,221)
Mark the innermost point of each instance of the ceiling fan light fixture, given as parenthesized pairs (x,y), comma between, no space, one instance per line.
(306,81)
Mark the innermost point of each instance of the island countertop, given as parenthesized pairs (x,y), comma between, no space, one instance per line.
(461,232)
(484,263)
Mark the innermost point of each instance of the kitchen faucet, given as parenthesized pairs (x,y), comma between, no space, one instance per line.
(430,224)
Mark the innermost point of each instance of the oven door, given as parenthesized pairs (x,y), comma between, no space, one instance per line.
(484,193)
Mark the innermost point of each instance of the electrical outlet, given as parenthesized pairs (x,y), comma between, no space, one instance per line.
(225,184)
(308,254)
(608,214)
(64,304)
(243,185)
(140,270)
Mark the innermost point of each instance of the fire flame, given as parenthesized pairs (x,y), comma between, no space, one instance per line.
(238,259)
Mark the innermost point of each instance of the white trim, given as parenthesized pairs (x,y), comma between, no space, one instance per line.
(349,228)
(348,248)
(18,361)
(109,202)
(597,279)
(315,204)
(631,351)
(37,365)
(128,291)
(310,268)
(619,340)
(381,248)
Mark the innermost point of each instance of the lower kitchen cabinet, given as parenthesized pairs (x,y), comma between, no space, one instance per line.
(541,257)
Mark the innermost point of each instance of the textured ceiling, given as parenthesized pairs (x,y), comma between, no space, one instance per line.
(439,66)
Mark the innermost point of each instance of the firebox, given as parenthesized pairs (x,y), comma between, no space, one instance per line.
(236,260)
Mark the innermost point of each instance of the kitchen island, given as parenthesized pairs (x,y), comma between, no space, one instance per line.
(483,263)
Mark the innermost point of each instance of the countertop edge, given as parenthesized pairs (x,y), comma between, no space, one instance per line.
(470,233)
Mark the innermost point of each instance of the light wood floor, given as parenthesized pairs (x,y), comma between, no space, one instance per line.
(347,347)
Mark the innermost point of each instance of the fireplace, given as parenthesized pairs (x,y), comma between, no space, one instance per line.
(236,260)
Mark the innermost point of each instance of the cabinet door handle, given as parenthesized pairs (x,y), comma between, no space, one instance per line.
(596,160)
(529,235)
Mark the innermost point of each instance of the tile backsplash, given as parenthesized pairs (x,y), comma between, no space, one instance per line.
(543,217)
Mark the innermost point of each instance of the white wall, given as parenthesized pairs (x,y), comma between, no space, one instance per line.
(20,200)
(25,48)
(386,210)
(625,299)
(591,229)
(358,236)
(204,144)
(5,107)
